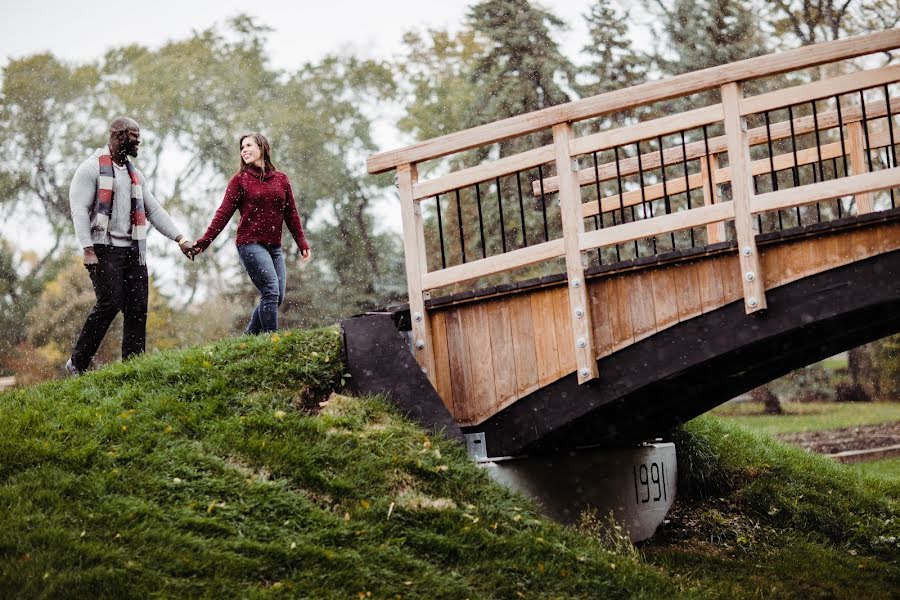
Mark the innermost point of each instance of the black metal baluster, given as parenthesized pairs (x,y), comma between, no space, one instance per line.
(662,168)
(837,99)
(687,179)
(480,221)
(500,209)
(543,203)
(796,169)
(621,199)
(890,117)
(772,173)
(462,238)
(709,171)
(865,124)
(441,232)
(521,210)
(839,204)
(598,225)
(819,162)
(637,146)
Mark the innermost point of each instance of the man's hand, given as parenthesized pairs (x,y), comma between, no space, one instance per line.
(90,257)
(187,247)
(306,254)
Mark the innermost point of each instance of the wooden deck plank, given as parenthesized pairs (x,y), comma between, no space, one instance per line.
(523,344)
(889,236)
(665,301)
(732,287)
(502,351)
(864,244)
(620,314)
(565,336)
(460,373)
(598,292)
(687,292)
(544,337)
(478,336)
(643,314)
(711,294)
(442,379)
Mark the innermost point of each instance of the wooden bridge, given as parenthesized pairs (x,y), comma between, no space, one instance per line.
(603,269)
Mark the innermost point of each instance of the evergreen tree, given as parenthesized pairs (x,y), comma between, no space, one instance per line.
(707,33)
(613,62)
(816,21)
(523,69)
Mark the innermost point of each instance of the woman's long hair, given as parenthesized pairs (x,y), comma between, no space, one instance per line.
(263,144)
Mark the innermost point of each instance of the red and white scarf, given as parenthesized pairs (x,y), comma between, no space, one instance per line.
(105,192)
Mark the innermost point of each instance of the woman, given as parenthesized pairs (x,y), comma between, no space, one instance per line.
(264,199)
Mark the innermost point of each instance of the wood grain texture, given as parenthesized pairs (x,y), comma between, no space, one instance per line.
(478,336)
(687,292)
(730,269)
(565,335)
(598,291)
(620,314)
(460,371)
(640,299)
(442,381)
(524,351)
(711,294)
(502,352)
(544,337)
(665,297)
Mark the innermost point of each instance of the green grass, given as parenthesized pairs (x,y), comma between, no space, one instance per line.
(205,473)
(757,518)
(812,416)
(888,469)
(193,474)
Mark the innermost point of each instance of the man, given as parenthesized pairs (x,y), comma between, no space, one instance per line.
(111,205)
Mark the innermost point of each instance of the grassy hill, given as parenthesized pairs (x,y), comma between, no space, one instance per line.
(232,470)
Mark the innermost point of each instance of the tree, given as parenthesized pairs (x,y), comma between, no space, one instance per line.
(613,62)
(706,33)
(522,68)
(194,97)
(813,21)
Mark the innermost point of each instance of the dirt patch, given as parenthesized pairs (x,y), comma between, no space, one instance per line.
(832,441)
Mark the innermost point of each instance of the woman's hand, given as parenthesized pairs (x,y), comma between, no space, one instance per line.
(306,254)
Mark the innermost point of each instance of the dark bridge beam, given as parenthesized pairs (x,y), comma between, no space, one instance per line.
(684,371)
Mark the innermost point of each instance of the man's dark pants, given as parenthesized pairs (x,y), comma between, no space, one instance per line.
(120,284)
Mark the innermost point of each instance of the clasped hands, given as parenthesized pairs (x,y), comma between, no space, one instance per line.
(192,249)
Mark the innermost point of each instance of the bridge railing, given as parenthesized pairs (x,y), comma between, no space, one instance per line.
(697,177)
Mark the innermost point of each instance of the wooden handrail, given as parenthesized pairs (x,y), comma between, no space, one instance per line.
(647,93)
(762,166)
(779,130)
(817,90)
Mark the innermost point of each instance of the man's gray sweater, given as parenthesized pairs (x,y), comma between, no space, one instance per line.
(83,204)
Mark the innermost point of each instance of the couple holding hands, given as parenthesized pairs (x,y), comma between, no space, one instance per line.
(111,207)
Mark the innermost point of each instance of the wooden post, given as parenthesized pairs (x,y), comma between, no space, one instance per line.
(715,232)
(573,227)
(858,163)
(416,266)
(742,192)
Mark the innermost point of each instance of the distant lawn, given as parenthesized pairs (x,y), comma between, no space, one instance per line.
(812,416)
(888,469)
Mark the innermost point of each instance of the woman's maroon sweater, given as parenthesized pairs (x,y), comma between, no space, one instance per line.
(263,204)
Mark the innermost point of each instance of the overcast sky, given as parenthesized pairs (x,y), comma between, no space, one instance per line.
(82,30)
(302,31)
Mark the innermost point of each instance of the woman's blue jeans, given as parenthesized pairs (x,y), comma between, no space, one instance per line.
(265,266)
